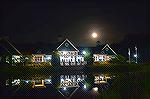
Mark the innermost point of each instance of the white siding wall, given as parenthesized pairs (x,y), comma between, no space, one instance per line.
(100,58)
(70,56)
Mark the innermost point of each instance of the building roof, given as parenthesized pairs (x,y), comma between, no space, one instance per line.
(66,45)
(108,50)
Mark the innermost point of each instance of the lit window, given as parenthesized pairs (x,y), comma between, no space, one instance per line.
(38,59)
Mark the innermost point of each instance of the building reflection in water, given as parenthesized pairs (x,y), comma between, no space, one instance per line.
(70,83)
(67,84)
(101,79)
(38,83)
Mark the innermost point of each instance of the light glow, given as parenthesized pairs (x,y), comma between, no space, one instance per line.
(84,86)
(95,89)
(64,88)
(135,55)
(94,35)
(16,82)
(84,52)
(48,58)
(38,83)
(27,81)
(64,52)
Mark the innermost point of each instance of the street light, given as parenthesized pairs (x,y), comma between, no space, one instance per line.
(135,54)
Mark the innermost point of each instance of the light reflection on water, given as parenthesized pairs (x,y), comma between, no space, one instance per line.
(63,85)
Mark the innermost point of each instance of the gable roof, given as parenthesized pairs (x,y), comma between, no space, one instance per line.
(7,47)
(66,45)
(108,50)
(69,92)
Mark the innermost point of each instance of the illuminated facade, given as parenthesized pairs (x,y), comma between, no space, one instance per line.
(69,54)
(31,60)
(69,84)
(65,84)
(105,55)
(16,58)
(37,58)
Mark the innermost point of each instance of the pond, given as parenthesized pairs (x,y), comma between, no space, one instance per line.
(73,84)
(63,85)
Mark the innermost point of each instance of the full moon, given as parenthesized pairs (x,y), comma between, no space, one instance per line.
(94,35)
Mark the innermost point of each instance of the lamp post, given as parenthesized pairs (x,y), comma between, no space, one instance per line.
(129,55)
(135,54)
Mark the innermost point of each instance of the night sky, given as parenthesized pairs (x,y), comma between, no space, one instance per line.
(43,21)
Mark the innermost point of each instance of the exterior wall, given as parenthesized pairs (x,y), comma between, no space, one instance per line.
(99,57)
(47,58)
(70,58)
(69,53)
(32,60)
(16,58)
(102,58)
(42,58)
(38,58)
(67,57)
(80,58)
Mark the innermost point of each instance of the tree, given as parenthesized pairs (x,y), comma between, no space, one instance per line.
(55,58)
(88,56)
(118,59)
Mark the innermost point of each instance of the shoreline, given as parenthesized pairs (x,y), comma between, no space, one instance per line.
(116,68)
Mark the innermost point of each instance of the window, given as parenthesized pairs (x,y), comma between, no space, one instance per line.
(106,49)
(71,53)
(95,58)
(66,44)
(103,57)
(75,53)
(38,59)
(47,58)
(78,60)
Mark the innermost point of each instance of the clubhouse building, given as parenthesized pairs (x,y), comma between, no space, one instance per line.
(68,55)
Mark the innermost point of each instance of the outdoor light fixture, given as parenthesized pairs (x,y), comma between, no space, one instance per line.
(47,81)
(26,58)
(27,81)
(84,86)
(64,88)
(135,55)
(84,52)
(95,89)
